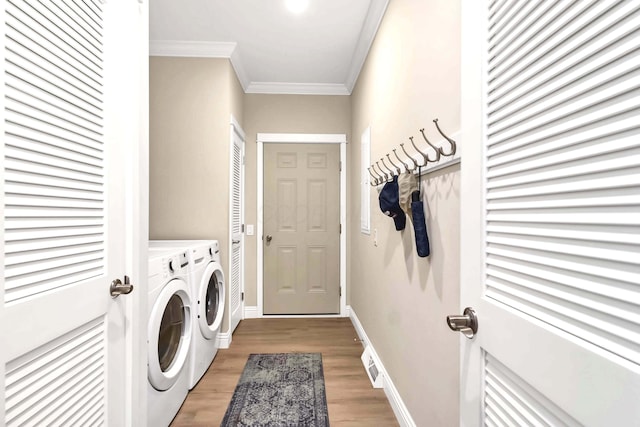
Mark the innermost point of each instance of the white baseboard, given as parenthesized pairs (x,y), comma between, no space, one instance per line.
(251,312)
(224,340)
(397,404)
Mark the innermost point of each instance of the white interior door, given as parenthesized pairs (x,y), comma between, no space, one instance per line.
(236,303)
(62,358)
(551,213)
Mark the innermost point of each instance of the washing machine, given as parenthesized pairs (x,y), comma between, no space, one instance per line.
(169,334)
(208,296)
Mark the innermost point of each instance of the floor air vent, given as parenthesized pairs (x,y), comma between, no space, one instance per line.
(371,363)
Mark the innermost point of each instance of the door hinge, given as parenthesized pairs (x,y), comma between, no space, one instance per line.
(242,296)
(340,229)
(242,228)
(340,291)
(243,160)
(340,165)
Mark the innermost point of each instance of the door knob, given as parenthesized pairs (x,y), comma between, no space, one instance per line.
(268,238)
(118,288)
(467,323)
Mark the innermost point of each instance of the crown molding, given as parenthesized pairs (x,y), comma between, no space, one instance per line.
(198,49)
(240,70)
(372,22)
(298,88)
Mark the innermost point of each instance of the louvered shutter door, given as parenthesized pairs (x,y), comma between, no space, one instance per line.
(54,181)
(562,183)
(57,216)
(563,159)
(235,300)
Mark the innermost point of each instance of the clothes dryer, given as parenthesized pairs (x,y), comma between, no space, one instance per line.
(208,296)
(169,334)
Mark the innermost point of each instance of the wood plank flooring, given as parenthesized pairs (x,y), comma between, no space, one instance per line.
(351,399)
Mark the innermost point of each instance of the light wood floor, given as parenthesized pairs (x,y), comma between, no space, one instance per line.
(351,399)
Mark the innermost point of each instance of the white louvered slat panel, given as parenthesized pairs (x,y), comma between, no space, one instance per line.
(235,277)
(54,187)
(23,93)
(510,401)
(29,46)
(236,220)
(563,174)
(87,158)
(52,383)
(32,113)
(48,137)
(561,42)
(89,28)
(40,19)
(70,26)
(25,167)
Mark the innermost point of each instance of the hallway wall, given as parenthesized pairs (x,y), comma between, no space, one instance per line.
(190,104)
(411,76)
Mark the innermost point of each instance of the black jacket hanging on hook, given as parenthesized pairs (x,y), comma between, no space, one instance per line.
(389,203)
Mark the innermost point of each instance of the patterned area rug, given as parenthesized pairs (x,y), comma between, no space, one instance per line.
(284,389)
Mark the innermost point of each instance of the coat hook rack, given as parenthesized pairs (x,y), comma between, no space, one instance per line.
(451,141)
(384,173)
(436,149)
(406,166)
(415,164)
(388,173)
(398,168)
(425,156)
(391,171)
(376,179)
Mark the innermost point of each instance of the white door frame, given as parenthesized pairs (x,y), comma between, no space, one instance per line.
(303,138)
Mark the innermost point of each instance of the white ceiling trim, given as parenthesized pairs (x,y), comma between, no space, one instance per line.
(195,49)
(372,22)
(241,71)
(298,88)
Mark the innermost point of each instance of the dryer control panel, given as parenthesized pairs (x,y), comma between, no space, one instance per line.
(176,264)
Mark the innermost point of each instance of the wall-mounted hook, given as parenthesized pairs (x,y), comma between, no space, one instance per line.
(406,165)
(388,168)
(424,156)
(376,179)
(436,149)
(451,141)
(415,164)
(398,168)
(387,178)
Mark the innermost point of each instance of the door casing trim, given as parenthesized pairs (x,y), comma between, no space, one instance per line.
(302,138)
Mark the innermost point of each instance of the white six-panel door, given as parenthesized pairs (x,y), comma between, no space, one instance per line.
(65,125)
(551,213)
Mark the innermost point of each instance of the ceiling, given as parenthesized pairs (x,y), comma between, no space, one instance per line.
(273,50)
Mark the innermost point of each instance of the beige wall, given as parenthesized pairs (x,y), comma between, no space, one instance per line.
(191,101)
(282,114)
(410,77)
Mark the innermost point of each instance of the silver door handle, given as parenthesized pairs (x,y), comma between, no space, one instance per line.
(268,238)
(467,323)
(118,288)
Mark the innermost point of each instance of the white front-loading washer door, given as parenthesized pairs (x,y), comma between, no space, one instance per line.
(211,300)
(169,334)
